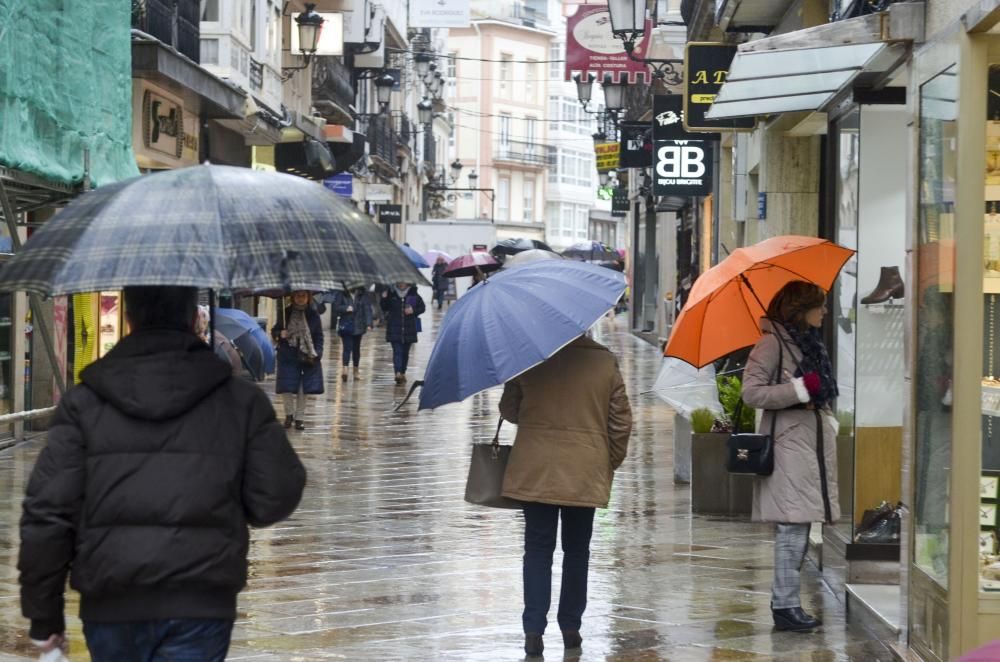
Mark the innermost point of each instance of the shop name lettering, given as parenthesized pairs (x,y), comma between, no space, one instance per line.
(169,124)
(680,164)
(706,77)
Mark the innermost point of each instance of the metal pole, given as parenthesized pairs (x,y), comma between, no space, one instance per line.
(33,301)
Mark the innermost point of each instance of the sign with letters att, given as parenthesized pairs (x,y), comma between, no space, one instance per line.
(390,214)
(682,167)
(705,69)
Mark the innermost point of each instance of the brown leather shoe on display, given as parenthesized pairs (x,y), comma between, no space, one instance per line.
(890,286)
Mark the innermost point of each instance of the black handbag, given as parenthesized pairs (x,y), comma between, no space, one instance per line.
(484,486)
(750,452)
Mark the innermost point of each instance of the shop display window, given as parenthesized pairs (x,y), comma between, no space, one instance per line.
(935,280)
(989,481)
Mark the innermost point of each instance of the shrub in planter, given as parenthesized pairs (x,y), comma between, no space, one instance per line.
(702,420)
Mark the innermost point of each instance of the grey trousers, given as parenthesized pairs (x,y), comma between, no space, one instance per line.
(295,404)
(791,542)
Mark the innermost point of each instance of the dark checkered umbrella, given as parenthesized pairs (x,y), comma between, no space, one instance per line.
(213,227)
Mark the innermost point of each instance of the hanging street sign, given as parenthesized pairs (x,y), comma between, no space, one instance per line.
(619,201)
(592,48)
(682,168)
(668,120)
(636,145)
(706,66)
(607,156)
(390,214)
(342,184)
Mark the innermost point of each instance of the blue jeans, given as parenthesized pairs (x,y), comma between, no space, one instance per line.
(352,347)
(400,356)
(171,640)
(540,522)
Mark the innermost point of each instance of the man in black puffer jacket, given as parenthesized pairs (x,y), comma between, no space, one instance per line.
(154,467)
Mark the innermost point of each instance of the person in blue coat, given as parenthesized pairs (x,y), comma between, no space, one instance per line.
(354,312)
(403,308)
(299,336)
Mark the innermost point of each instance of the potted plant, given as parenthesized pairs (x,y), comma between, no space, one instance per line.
(713,489)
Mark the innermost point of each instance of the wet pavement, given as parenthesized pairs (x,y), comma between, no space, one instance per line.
(385,561)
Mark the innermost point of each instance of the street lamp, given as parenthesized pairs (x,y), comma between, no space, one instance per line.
(602,177)
(425,111)
(456,170)
(614,93)
(628,20)
(310,25)
(423,61)
(584,88)
(473,179)
(383,89)
(428,75)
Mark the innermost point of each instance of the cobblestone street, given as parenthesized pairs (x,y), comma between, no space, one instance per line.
(385,561)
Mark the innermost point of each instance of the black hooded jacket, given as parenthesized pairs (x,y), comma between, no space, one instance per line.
(154,467)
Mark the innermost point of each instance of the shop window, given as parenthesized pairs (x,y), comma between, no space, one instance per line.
(935,320)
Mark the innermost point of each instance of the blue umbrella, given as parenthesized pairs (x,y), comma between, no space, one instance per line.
(416,258)
(247,323)
(514,321)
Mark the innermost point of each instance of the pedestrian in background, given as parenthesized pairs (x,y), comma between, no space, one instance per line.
(403,307)
(155,465)
(299,336)
(439,281)
(574,423)
(789,376)
(222,346)
(354,311)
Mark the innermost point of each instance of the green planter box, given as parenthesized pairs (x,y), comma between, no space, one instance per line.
(714,491)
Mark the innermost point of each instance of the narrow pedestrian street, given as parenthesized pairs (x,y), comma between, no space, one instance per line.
(385,561)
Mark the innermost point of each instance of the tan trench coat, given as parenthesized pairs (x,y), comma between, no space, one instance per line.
(574,423)
(794,493)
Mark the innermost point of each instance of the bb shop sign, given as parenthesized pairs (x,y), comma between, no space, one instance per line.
(682,167)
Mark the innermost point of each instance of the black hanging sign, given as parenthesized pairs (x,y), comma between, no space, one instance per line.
(668,120)
(390,214)
(682,168)
(636,145)
(706,66)
(619,201)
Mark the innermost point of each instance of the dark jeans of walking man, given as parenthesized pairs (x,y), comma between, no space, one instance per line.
(352,349)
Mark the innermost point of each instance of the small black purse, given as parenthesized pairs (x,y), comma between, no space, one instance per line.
(750,452)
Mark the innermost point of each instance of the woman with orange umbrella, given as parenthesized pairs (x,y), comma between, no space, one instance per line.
(773,295)
(790,377)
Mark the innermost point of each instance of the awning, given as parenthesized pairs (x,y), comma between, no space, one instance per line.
(802,79)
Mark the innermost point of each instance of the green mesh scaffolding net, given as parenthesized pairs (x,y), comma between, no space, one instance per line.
(66,87)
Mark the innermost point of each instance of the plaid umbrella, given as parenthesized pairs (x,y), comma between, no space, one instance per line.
(214,227)
(591,250)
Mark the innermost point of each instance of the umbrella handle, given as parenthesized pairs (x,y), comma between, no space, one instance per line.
(413,388)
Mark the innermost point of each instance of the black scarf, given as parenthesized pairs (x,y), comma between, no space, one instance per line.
(815,359)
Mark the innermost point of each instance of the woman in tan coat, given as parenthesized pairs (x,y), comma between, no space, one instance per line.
(790,377)
(574,423)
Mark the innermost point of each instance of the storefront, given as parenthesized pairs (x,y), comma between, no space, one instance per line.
(954,431)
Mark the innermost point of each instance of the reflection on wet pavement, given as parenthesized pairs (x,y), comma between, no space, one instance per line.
(385,561)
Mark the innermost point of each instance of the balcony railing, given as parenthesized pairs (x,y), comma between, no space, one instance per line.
(523,153)
(331,85)
(382,140)
(174,22)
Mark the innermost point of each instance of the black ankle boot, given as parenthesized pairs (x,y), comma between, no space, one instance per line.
(533,644)
(572,639)
(288,421)
(794,620)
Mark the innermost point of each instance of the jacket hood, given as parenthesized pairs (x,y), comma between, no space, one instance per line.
(157,374)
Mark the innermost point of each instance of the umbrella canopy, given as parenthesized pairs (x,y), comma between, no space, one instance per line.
(591,250)
(416,258)
(512,322)
(527,257)
(215,227)
(246,346)
(467,265)
(432,256)
(237,320)
(518,245)
(723,311)
(686,388)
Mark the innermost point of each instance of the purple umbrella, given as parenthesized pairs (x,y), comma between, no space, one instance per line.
(468,265)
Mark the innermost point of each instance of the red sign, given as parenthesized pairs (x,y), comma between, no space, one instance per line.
(592,48)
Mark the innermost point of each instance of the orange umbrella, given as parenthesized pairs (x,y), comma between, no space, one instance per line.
(723,311)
